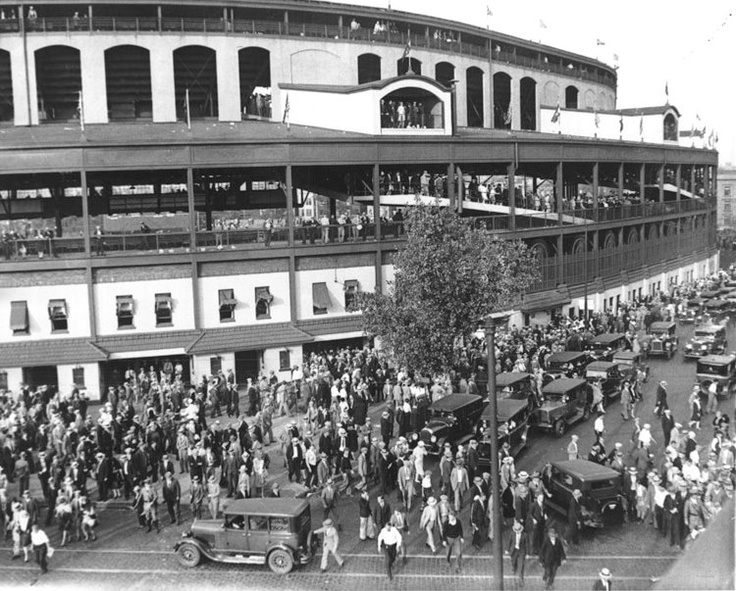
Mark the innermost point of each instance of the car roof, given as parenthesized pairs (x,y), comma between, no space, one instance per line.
(454,401)
(716,303)
(509,378)
(695,301)
(625,355)
(268,506)
(712,328)
(565,356)
(584,469)
(710,293)
(717,359)
(505,409)
(562,385)
(661,325)
(600,366)
(607,337)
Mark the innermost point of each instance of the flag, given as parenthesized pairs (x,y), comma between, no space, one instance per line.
(541,24)
(407,50)
(621,124)
(287,108)
(615,57)
(507,118)
(80,110)
(556,114)
(599,42)
(667,90)
(488,11)
(186,106)
(641,127)
(596,117)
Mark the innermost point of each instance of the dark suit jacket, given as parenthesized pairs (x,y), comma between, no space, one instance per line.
(522,543)
(172,493)
(574,513)
(599,586)
(381,515)
(552,555)
(537,513)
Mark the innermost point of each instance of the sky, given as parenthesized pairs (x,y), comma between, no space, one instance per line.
(689,47)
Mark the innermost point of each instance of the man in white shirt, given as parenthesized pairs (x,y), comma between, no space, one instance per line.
(390,539)
(40,542)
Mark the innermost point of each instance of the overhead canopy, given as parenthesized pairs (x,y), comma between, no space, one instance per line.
(163,300)
(352,286)
(227,298)
(263,293)
(320,296)
(18,316)
(57,309)
(545,300)
(124,305)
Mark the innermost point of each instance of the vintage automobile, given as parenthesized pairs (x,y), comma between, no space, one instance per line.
(692,310)
(603,346)
(633,361)
(720,369)
(517,386)
(717,309)
(565,402)
(277,532)
(567,363)
(610,376)
(708,339)
(513,425)
(730,298)
(663,339)
(452,420)
(601,503)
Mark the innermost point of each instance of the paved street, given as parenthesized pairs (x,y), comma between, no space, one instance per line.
(125,556)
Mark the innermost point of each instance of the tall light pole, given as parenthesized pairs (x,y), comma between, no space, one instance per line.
(491,322)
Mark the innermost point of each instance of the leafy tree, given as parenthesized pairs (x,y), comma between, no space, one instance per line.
(449,276)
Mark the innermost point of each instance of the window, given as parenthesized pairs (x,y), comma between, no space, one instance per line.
(57,314)
(263,303)
(227,305)
(258,523)
(3,380)
(320,298)
(351,290)
(163,309)
(78,377)
(669,131)
(125,311)
(279,524)
(19,318)
(215,365)
(285,360)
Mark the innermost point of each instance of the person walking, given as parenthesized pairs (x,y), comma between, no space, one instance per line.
(390,541)
(661,400)
(575,517)
(428,521)
(604,581)
(172,497)
(573,453)
(551,556)
(455,540)
(40,542)
(330,543)
(329,501)
(517,550)
(213,496)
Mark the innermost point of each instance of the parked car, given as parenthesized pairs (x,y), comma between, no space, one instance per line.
(610,376)
(517,386)
(565,402)
(452,419)
(720,369)
(632,360)
(708,339)
(603,346)
(567,363)
(730,298)
(601,502)
(663,340)
(691,311)
(512,417)
(717,309)
(277,532)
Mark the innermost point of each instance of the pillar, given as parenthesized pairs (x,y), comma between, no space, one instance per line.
(85,214)
(660,182)
(678,179)
(642,188)
(559,188)
(692,180)
(94,86)
(515,103)
(460,189)
(377,205)
(511,173)
(290,203)
(192,212)
(162,85)
(451,185)
(24,88)
(228,85)
(595,186)
(621,181)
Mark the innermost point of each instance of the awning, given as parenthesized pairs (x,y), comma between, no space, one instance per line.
(227,298)
(163,300)
(320,296)
(124,305)
(352,286)
(49,352)
(248,338)
(19,316)
(57,309)
(263,293)
(545,300)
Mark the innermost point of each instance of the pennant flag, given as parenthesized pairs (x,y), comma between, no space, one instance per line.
(508,117)
(186,106)
(556,114)
(599,42)
(80,110)
(488,11)
(615,57)
(407,50)
(541,24)
(621,124)
(667,90)
(287,108)
(641,127)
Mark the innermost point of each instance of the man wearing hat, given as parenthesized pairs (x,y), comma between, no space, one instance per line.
(552,555)
(517,549)
(172,497)
(575,517)
(459,483)
(330,542)
(629,491)
(661,400)
(604,581)
(389,539)
(197,495)
(103,475)
(472,459)
(294,458)
(668,423)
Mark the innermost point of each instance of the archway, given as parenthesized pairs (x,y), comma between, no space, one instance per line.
(633,236)
(6,87)
(444,73)
(571,97)
(195,70)
(128,82)
(669,132)
(59,82)
(369,68)
(412,107)
(551,93)
(254,64)
(408,65)
(474,94)
(501,100)
(528,103)
(609,242)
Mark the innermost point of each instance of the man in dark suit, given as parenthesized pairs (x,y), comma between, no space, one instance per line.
(471,463)
(668,423)
(661,400)
(381,512)
(552,555)
(536,522)
(102,475)
(575,517)
(521,504)
(517,549)
(604,581)
(172,497)
(478,521)
(294,458)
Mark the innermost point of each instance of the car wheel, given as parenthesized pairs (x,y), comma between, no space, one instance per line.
(280,561)
(189,555)
(560,428)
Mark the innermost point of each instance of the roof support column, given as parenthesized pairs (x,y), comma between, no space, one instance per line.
(559,189)
(460,189)
(595,188)
(289,190)
(642,188)
(692,180)
(621,181)
(451,185)
(678,181)
(511,175)
(660,182)
(190,207)
(376,182)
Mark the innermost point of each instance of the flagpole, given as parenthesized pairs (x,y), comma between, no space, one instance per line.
(189,116)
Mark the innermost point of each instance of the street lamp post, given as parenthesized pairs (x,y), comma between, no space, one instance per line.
(491,321)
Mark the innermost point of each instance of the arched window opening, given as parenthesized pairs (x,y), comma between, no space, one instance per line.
(571,97)
(528,103)
(444,73)
(128,83)
(6,87)
(255,82)
(59,82)
(195,70)
(502,115)
(474,96)
(412,108)
(369,68)
(670,133)
(408,65)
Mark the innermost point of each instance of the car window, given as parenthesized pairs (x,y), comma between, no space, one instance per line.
(258,523)
(279,524)
(236,522)
(599,484)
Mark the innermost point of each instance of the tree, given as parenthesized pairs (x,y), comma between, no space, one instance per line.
(449,276)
